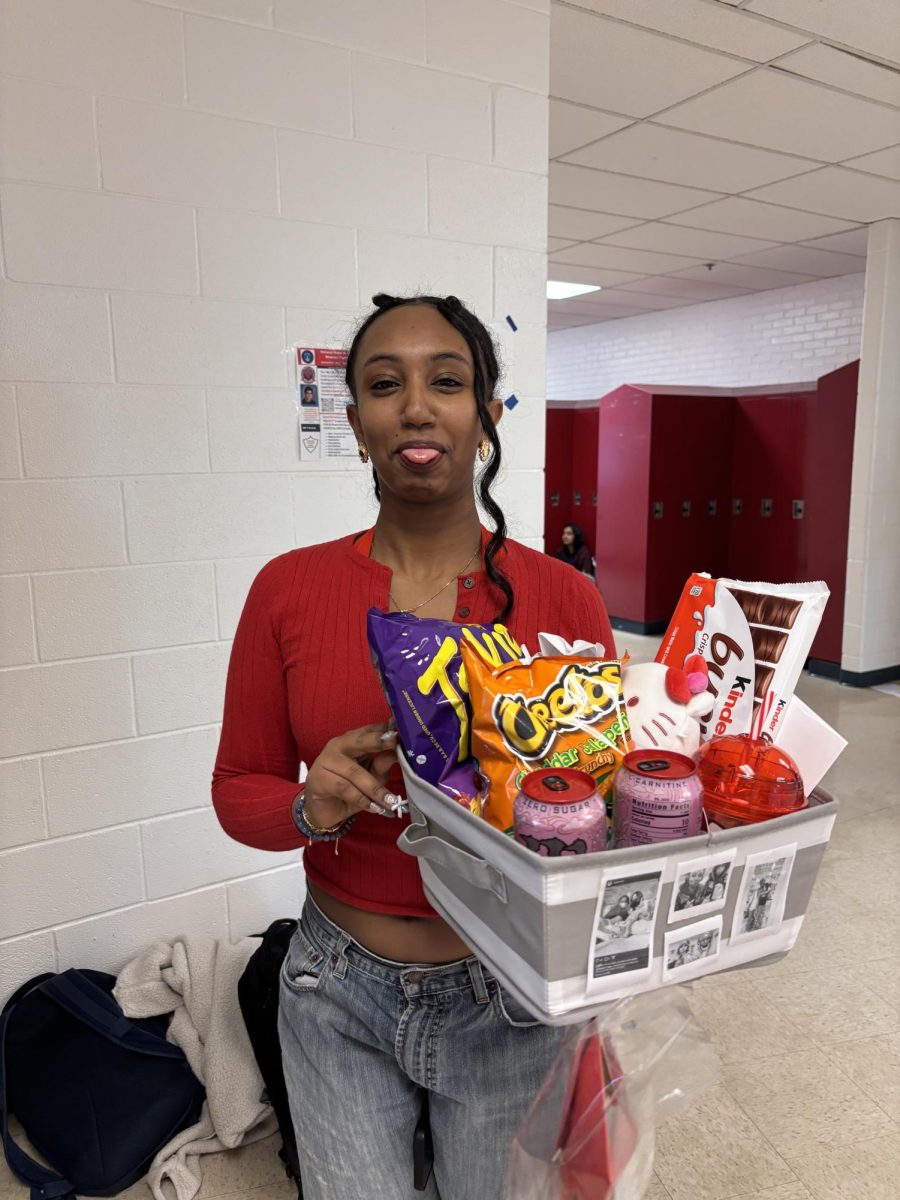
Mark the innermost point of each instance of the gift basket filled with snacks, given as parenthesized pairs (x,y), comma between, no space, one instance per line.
(595,830)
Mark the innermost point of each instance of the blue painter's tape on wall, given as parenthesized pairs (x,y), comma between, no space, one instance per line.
(511,323)
(511,401)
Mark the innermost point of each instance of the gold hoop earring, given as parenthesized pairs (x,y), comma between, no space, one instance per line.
(363,453)
(484,449)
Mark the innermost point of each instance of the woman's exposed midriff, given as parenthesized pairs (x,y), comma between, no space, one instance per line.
(400,939)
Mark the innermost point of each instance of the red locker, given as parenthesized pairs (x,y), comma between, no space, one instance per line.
(585,429)
(828,466)
(769,475)
(557,476)
(690,473)
(664,486)
(753,483)
(623,491)
(571,473)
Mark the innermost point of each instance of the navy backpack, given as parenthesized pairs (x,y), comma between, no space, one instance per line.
(98,1094)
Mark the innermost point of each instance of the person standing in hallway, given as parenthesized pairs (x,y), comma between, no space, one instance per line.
(383,1008)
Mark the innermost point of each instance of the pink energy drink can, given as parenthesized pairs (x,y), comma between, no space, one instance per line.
(558,811)
(657,797)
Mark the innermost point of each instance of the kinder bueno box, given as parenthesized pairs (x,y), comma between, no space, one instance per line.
(754,638)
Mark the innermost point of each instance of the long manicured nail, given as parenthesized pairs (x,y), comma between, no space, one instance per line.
(389,736)
(379,811)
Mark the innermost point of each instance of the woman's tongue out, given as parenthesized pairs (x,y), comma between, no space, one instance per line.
(420,457)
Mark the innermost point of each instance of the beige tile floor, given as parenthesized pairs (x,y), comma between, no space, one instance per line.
(808,1107)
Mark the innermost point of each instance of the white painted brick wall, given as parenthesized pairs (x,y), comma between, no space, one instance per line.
(785,336)
(188,188)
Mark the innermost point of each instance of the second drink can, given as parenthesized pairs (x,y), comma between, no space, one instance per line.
(657,797)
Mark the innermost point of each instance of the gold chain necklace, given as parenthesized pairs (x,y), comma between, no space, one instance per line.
(396,603)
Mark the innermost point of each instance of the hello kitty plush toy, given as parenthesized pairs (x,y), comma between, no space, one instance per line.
(665,704)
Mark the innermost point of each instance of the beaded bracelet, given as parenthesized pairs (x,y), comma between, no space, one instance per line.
(334,834)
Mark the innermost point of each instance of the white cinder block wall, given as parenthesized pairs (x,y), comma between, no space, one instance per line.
(786,336)
(185,195)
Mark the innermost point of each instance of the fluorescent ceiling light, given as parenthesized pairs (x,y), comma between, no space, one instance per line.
(565,291)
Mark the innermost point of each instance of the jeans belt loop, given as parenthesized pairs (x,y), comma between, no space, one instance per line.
(476,976)
(339,958)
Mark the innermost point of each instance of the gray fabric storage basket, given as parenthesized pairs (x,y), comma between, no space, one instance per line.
(531,919)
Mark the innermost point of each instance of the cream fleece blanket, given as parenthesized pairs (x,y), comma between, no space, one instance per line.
(196,980)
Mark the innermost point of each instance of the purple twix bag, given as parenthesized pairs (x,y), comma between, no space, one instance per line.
(424,679)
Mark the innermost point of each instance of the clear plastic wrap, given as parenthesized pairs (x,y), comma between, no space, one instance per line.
(589,1135)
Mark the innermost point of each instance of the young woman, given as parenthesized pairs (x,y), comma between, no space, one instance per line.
(382,1005)
(574,550)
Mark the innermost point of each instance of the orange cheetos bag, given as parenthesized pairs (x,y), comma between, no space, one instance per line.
(555,711)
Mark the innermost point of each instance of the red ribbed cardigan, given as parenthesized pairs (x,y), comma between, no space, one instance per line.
(301,673)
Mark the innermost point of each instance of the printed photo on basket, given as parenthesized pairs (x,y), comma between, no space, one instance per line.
(701,885)
(623,924)
(760,906)
(689,951)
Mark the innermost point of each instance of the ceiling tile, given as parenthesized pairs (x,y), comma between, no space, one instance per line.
(554,244)
(869,25)
(882,162)
(673,156)
(644,300)
(627,70)
(804,259)
(580,225)
(571,321)
(755,219)
(571,126)
(854,241)
(770,109)
(679,239)
(597,312)
(598,254)
(690,290)
(623,195)
(752,278)
(841,69)
(577,309)
(838,192)
(601,276)
(696,21)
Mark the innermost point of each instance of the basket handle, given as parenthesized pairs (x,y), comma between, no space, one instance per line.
(417,841)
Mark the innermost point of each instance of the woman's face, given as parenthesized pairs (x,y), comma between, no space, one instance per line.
(568,536)
(415,404)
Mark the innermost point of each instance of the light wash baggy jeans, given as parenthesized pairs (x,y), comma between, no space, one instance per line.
(363,1039)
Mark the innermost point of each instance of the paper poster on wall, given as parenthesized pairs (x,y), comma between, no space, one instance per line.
(322,399)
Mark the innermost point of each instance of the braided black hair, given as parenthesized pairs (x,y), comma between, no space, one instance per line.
(486,372)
